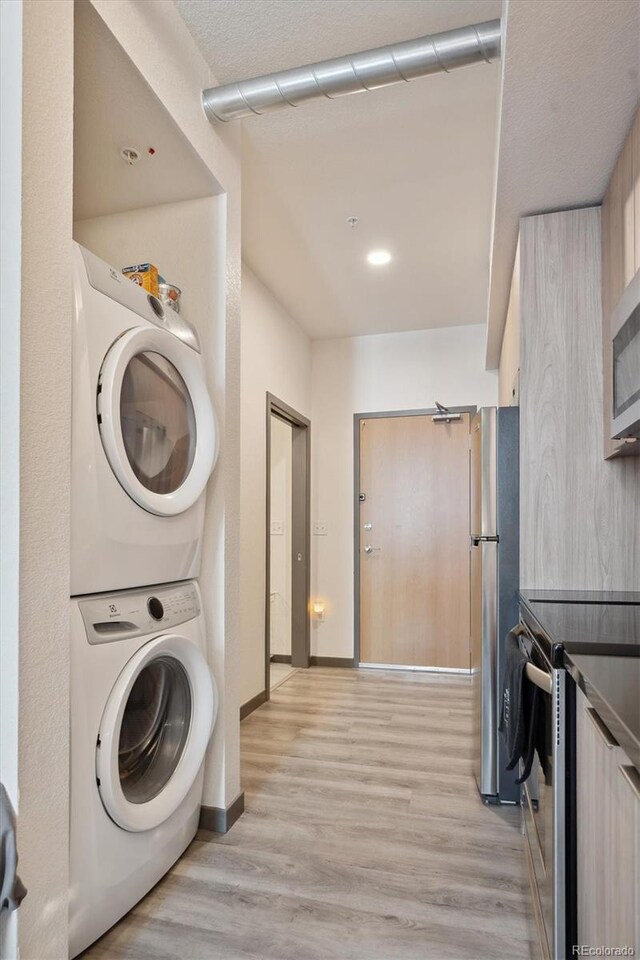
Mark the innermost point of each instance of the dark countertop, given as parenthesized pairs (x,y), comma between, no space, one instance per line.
(592,628)
(582,596)
(601,641)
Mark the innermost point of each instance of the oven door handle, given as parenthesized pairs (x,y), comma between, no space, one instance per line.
(539,677)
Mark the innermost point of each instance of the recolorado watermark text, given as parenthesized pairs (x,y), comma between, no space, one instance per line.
(582,950)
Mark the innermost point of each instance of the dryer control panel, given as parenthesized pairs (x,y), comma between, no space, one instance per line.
(138,613)
(113,284)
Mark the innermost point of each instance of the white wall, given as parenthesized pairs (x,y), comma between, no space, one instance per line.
(280,539)
(276,358)
(510,352)
(363,375)
(45,426)
(10,279)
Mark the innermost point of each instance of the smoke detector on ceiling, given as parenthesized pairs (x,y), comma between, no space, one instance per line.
(352,221)
(130,155)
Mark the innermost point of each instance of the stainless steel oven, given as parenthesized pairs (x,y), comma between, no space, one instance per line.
(625,331)
(543,799)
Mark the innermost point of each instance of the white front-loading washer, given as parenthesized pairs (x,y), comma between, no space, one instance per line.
(143,706)
(144,439)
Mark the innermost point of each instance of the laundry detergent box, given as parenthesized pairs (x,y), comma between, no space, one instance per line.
(145,275)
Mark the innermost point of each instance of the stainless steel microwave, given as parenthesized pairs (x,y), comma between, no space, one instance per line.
(625,333)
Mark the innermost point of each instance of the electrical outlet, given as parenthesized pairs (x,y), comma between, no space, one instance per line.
(320,528)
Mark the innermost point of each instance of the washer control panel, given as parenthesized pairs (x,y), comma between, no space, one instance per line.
(155,607)
(136,613)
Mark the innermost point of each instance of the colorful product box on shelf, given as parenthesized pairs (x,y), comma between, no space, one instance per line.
(145,275)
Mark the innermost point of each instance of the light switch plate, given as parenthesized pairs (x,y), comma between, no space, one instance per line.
(277,528)
(320,528)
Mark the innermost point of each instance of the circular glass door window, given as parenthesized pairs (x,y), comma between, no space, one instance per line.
(155,727)
(158,422)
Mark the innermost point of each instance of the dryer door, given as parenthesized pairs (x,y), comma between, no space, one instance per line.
(154,732)
(156,420)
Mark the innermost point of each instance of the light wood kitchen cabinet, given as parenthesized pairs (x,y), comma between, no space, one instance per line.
(608,836)
(562,541)
(620,260)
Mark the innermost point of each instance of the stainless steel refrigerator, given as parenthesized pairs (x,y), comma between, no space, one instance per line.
(494,584)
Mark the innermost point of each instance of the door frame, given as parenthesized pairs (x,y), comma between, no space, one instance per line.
(357,418)
(300,536)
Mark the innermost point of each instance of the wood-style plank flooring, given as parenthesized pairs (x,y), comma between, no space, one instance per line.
(278,673)
(363,838)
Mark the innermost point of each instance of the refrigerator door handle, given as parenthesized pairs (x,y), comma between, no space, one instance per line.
(489,654)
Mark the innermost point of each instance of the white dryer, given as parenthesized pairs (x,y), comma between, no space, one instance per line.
(144,436)
(143,705)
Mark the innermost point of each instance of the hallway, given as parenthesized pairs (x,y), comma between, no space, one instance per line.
(363,838)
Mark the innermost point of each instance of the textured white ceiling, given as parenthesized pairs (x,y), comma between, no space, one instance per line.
(415,163)
(246,38)
(571,85)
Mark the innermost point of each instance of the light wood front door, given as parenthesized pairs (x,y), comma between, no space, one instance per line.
(414,541)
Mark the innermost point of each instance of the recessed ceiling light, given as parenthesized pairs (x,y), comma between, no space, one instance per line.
(378,258)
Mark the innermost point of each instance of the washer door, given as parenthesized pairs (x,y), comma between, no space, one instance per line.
(154,732)
(156,420)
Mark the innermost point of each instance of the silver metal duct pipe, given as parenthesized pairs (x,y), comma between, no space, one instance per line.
(356,73)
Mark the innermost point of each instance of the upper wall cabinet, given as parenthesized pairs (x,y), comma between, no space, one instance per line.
(579,515)
(620,261)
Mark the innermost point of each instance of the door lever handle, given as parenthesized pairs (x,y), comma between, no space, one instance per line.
(369,549)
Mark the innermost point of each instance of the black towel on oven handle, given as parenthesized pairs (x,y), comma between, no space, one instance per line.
(520,712)
(532,695)
(513,724)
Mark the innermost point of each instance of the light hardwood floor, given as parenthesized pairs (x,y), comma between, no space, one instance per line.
(363,838)
(278,673)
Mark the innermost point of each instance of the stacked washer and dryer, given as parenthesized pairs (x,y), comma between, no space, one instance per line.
(143,700)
